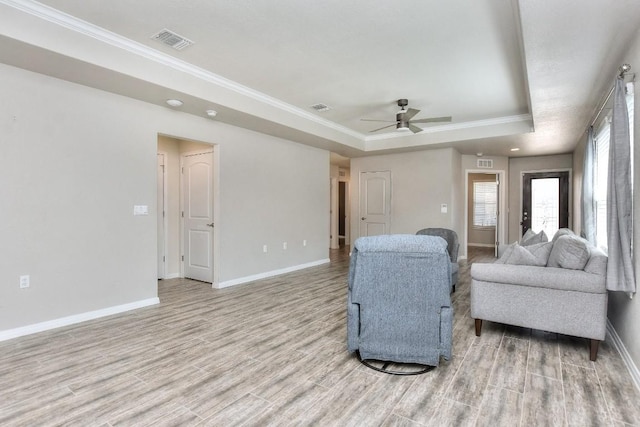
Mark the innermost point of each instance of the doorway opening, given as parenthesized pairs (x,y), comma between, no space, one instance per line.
(339,205)
(485,201)
(188,219)
(545,201)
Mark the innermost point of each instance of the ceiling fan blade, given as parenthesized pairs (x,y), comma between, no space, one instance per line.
(376,120)
(410,113)
(432,120)
(414,129)
(384,127)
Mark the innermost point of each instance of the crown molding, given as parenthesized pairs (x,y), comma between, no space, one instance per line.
(455,126)
(80,26)
(64,20)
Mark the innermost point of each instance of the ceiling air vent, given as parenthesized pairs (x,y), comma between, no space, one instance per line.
(172,39)
(485,163)
(320,107)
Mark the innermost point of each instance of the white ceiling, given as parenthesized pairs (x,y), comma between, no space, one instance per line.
(526,74)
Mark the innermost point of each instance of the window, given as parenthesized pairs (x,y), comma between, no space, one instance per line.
(602,133)
(485,203)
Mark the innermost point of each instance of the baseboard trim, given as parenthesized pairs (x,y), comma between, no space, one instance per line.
(626,357)
(76,318)
(266,275)
(481,245)
(172,276)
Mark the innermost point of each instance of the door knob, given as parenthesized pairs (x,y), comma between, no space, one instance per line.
(363,218)
(210,225)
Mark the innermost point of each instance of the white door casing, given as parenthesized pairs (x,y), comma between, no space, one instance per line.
(197,215)
(333,214)
(160,212)
(375,203)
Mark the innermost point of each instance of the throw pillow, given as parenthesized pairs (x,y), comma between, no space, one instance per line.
(506,254)
(569,252)
(531,238)
(562,232)
(541,252)
(529,255)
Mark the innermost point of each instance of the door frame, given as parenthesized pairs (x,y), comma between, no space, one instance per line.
(216,209)
(347,212)
(333,212)
(164,240)
(569,201)
(501,228)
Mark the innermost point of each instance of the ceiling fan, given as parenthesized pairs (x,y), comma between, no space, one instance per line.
(403,120)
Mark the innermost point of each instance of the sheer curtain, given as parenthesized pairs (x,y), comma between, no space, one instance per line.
(588,200)
(619,198)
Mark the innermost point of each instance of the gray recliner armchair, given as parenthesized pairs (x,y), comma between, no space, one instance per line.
(452,247)
(399,305)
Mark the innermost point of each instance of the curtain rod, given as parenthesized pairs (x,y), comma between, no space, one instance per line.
(622,70)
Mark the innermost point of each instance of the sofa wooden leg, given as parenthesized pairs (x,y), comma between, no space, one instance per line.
(478,327)
(593,349)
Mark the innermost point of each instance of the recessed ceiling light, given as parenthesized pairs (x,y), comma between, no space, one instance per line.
(212,113)
(515,149)
(174,102)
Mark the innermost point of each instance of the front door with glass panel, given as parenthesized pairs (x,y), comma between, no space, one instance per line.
(545,202)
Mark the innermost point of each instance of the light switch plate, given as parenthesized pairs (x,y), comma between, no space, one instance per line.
(141,210)
(443,208)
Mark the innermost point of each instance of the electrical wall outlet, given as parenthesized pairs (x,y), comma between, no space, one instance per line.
(304,243)
(24,281)
(264,249)
(284,246)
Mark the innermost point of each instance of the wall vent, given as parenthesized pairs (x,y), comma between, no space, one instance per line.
(342,173)
(172,39)
(320,107)
(485,163)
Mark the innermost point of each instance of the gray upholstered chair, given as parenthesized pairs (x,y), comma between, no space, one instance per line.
(399,305)
(452,246)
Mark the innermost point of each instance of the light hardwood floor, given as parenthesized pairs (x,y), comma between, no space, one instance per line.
(273,352)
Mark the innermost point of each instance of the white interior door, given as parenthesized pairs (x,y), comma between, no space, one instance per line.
(160,217)
(375,203)
(197,213)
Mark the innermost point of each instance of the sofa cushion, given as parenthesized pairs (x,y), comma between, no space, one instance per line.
(531,238)
(540,277)
(569,251)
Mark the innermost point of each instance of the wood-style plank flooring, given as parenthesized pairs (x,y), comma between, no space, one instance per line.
(273,352)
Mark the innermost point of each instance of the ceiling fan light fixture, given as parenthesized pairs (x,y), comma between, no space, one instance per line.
(402,127)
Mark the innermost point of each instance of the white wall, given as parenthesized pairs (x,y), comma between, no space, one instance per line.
(420,182)
(76,160)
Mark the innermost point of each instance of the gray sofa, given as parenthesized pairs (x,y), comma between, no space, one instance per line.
(557,286)
(399,308)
